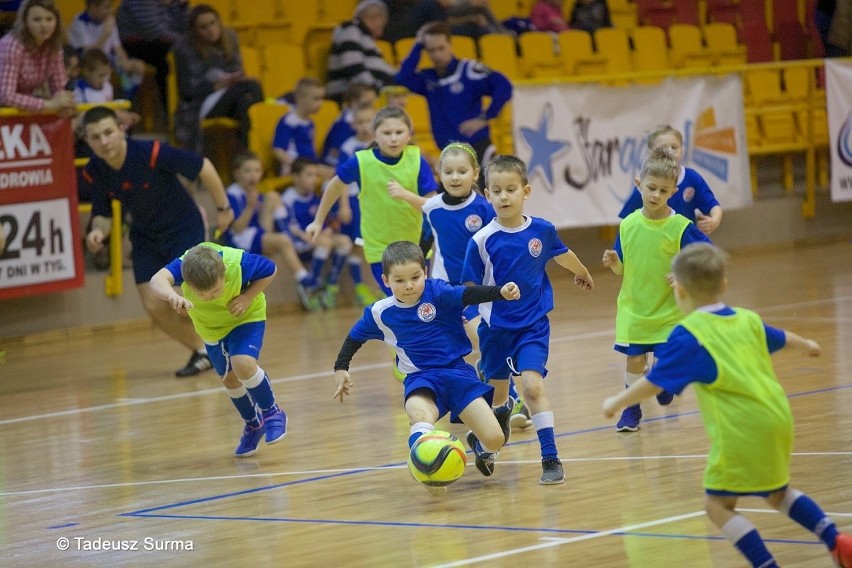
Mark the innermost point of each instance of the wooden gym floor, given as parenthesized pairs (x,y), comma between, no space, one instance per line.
(100,446)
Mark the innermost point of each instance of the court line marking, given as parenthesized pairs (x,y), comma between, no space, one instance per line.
(744,510)
(553,541)
(344,471)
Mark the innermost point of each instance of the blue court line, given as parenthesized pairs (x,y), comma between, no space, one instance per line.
(65,526)
(147,512)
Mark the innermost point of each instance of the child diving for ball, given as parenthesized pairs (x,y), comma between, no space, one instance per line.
(422,322)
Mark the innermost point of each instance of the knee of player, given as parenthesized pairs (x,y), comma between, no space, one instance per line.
(342,244)
(492,439)
(244,367)
(532,388)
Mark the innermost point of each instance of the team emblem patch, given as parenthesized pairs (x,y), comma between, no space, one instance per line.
(535,247)
(426,312)
(473,223)
(688,194)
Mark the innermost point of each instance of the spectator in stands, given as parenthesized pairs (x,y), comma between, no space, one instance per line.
(32,68)
(295,132)
(354,56)
(474,18)
(96,27)
(428,11)
(94,86)
(71,61)
(146,176)
(210,77)
(454,90)
(547,16)
(590,15)
(148,28)
(357,96)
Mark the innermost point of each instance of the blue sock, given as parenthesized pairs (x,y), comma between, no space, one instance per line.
(807,513)
(245,406)
(260,390)
(548,443)
(336,267)
(355,270)
(513,391)
(742,534)
(308,281)
(317,264)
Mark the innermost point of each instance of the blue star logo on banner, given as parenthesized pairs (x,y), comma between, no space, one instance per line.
(543,149)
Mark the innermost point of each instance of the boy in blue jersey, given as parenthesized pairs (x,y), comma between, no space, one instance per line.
(253,215)
(294,134)
(647,241)
(300,202)
(725,353)
(422,322)
(165,221)
(693,199)
(357,96)
(223,295)
(454,90)
(514,337)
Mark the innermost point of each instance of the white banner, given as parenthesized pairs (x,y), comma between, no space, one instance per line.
(39,243)
(838,91)
(585,144)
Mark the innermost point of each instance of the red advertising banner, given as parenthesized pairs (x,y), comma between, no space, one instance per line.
(38,207)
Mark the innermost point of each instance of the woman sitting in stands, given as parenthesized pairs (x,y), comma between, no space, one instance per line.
(210,76)
(32,69)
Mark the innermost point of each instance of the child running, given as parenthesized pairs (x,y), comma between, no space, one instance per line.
(514,338)
(388,174)
(422,322)
(455,216)
(725,353)
(223,295)
(647,241)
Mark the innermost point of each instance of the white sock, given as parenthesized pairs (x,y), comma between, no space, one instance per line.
(630,378)
(543,420)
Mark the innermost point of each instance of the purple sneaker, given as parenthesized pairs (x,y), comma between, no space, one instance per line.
(629,421)
(275,425)
(249,441)
(665,398)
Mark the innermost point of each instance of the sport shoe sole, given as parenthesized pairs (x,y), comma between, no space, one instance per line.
(630,419)
(842,552)
(274,427)
(250,445)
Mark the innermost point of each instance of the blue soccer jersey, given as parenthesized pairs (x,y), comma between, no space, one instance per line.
(341,130)
(295,136)
(497,255)
(692,193)
(301,208)
(454,225)
(425,335)
(247,239)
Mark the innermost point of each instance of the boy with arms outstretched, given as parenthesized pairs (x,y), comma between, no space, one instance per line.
(422,322)
(514,338)
(725,352)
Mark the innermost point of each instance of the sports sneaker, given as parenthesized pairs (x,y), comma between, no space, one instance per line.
(629,421)
(484,461)
(198,363)
(249,441)
(328,297)
(551,472)
(308,298)
(520,419)
(503,414)
(363,295)
(842,552)
(274,425)
(665,398)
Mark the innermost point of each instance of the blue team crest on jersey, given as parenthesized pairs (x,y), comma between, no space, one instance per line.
(473,223)
(688,194)
(535,247)
(456,88)
(543,149)
(426,312)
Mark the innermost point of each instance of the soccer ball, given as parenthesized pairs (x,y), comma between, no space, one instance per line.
(437,459)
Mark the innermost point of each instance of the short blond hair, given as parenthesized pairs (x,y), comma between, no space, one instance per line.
(660,164)
(700,268)
(202,268)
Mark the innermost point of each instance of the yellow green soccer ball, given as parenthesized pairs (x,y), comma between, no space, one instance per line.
(437,459)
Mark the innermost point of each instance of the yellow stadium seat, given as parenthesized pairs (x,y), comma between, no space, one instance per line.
(317,45)
(386,48)
(614,44)
(687,47)
(251,61)
(623,14)
(503,9)
(578,54)
(264,117)
(418,109)
(402,48)
(538,57)
(303,15)
(721,39)
(335,11)
(464,47)
(283,66)
(796,80)
(260,22)
(498,53)
(650,51)
(323,119)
